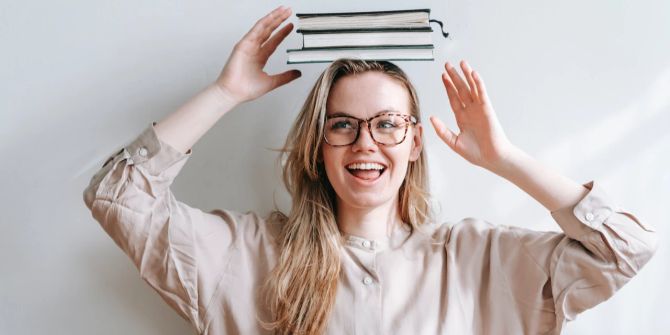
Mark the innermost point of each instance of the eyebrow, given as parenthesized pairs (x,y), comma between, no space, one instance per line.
(337,114)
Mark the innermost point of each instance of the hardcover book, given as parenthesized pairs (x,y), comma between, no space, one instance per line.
(390,53)
(396,35)
(363,37)
(412,18)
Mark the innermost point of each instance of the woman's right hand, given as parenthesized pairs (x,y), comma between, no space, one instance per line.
(242,78)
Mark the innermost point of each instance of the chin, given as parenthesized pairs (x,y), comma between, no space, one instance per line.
(365,200)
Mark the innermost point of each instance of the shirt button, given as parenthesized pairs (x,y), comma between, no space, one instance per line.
(367,280)
(366,243)
(589,216)
(142,152)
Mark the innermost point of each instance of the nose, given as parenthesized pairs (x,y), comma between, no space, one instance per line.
(364,142)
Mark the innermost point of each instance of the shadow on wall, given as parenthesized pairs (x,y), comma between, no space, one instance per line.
(632,139)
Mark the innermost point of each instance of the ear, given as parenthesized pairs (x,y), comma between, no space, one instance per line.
(417,143)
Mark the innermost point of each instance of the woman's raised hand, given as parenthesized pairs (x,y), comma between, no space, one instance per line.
(481,139)
(242,78)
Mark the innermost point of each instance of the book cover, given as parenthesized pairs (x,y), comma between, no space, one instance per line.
(402,11)
(389,53)
(362,30)
(367,38)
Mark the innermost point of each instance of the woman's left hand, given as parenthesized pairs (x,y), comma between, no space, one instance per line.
(481,140)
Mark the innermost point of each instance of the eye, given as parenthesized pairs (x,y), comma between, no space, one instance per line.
(387,124)
(341,125)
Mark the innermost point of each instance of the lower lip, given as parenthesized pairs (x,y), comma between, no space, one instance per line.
(366,182)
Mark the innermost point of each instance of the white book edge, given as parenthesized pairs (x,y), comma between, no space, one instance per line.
(366,39)
(329,55)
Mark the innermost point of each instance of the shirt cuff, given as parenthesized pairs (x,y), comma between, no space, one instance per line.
(587,215)
(148,150)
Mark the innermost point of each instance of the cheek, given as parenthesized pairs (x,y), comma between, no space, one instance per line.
(400,156)
(331,161)
(400,171)
(401,164)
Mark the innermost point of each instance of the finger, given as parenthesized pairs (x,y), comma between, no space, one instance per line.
(444,133)
(271,45)
(268,24)
(284,78)
(452,93)
(463,89)
(264,27)
(483,96)
(467,71)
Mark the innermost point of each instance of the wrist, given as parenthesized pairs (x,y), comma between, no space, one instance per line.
(225,99)
(509,163)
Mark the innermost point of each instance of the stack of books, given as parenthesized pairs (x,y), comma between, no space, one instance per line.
(386,35)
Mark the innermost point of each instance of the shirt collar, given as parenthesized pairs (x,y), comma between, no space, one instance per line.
(397,238)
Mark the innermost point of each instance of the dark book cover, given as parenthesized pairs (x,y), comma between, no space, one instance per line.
(363,30)
(386,59)
(420,46)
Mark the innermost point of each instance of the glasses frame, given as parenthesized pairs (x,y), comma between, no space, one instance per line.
(409,120)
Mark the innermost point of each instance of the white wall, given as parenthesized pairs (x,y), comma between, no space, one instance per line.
(582,85)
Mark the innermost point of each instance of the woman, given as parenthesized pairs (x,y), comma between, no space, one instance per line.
(358,252)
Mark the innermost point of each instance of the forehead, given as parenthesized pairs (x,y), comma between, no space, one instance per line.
(366,94)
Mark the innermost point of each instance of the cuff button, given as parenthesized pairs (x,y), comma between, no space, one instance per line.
(143,152)
(589,216)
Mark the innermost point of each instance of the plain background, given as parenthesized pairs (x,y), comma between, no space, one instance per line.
(584,86)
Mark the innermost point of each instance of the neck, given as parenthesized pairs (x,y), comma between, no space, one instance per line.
(368,222)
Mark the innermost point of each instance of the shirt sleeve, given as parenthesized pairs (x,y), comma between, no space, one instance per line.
(601,248)
(550,276)
(180,251)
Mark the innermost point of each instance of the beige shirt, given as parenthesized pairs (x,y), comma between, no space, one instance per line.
(471,277)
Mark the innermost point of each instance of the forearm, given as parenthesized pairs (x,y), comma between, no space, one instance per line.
(184,127)
(548,187)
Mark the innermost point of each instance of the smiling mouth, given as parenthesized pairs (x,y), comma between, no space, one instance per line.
(366,171)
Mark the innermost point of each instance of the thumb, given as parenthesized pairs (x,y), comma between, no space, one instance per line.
(284,78)
(445,133)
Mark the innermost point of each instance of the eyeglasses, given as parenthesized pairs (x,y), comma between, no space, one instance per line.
(385,129)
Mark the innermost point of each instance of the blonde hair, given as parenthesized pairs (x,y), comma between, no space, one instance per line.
(301,289)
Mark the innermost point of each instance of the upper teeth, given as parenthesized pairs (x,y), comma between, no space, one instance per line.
(365,166)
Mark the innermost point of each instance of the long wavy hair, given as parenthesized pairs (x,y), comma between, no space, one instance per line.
(301,289)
